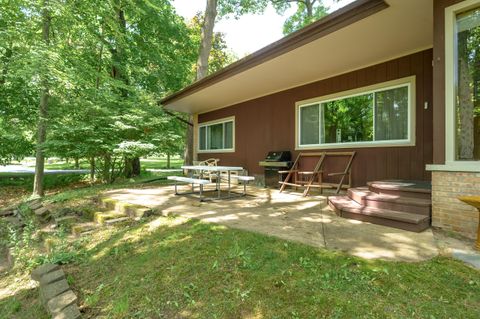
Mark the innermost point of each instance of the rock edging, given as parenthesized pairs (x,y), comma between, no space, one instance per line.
(55,293)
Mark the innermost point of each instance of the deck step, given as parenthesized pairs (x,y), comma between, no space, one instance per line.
(365,197)
(411,189)
(348,208)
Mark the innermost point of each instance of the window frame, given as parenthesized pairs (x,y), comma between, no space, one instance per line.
(451,83)
(215,122)
(409,82)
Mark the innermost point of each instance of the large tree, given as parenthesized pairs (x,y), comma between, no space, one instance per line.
(99,69)
(215,9)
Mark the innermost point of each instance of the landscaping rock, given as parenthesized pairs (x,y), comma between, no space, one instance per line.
(66,219)
(117,220)
(33,202)
(35,205)
(6,259)
(15,221)
(52,290)
(52,277)
(42,212)
(42,270)
(60,302)
(82,228)
(70,312)
(102,217)
(5,213)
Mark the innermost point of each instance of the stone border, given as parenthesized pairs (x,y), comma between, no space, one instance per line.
(55,293)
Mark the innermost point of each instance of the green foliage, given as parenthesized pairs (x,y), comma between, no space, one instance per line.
(302,18)
(106,66)
(220,55)
(308,11)
(237,8)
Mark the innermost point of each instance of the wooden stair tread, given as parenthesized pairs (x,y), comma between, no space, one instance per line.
(405,186)
(345,203)
(365,194)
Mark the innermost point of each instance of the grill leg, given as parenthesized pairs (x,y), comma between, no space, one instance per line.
(176,192)
(201,192)
(244,188)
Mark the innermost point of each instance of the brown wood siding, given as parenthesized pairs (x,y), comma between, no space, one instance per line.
(439,78)
(268,123)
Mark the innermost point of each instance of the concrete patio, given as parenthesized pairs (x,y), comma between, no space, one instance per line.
(289,216)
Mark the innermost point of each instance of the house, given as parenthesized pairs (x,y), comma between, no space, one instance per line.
(397,81)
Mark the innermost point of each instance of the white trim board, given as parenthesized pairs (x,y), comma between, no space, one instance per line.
(209,123)
(450,81)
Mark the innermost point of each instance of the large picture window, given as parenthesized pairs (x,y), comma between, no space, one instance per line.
(467,86)
(372,116)
(216,136)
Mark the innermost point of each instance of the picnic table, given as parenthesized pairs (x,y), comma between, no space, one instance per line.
(218,170)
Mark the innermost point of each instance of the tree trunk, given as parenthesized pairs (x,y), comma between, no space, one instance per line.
(92,169)
(77,164)
(168,160)
(128,168)
(107,163)
(136,166)
(38,189)
(309,6)
(465,100)
(206,39)
(202,68)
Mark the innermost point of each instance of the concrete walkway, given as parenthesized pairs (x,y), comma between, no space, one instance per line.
(292,217)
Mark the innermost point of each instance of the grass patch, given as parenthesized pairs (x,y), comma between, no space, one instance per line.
(160,163)
(197,270)
(171,268)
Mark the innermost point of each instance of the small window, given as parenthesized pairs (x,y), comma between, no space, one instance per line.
(375,116)
(216,136)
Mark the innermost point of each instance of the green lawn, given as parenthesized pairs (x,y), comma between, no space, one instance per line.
(168,268)
(160,163)
(146,163)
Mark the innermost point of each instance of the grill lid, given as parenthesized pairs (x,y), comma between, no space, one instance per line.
(278,156)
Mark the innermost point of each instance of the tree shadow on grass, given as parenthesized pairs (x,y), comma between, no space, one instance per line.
(23,305)
(174,268)
(179,268)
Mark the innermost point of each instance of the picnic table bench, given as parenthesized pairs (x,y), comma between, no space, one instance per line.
(201,182)
(189,180)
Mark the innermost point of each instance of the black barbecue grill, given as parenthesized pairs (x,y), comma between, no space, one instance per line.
(274,162)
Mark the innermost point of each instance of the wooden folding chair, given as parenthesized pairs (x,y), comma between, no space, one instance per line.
(346,171)
(296,176)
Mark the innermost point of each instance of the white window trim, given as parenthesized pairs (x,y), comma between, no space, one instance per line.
(219,121)
(410,141)
(450,93)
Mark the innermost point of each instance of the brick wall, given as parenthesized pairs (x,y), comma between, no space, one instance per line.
(447,211)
